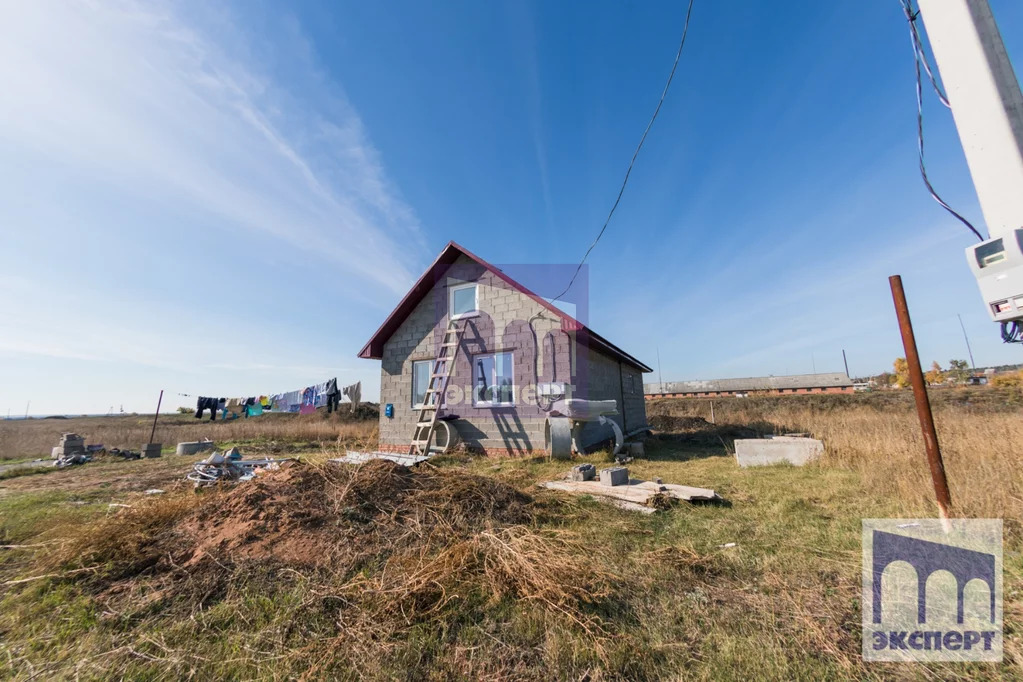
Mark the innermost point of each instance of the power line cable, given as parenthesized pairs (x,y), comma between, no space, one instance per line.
(918,57)
(625,181)
(921,54)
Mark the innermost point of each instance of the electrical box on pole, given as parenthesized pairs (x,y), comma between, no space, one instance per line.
(987,106)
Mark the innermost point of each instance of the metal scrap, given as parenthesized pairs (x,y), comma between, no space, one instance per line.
(230,467)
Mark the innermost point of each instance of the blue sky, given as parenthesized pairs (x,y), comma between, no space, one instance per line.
(228,199)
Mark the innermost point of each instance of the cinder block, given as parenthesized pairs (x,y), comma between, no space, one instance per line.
(636,449)
(152,450)
(614,476)
(583,472)
(752,452)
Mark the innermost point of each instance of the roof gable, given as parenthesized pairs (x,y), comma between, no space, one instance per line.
(374,347)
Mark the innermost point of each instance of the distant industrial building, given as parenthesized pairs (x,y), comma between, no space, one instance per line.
(836,382)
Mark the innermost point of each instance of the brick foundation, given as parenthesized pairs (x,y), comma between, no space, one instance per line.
(487,452)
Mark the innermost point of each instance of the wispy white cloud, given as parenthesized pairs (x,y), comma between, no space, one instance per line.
(226,163)
(135,95)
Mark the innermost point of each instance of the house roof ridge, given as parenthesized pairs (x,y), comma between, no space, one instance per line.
(373,347)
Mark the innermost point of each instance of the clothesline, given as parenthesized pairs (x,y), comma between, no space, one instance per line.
(303,401)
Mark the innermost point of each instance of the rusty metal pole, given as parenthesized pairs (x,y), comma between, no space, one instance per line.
(923,405)
(155,417)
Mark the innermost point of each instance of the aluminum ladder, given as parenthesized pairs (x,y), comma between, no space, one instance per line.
(443,366)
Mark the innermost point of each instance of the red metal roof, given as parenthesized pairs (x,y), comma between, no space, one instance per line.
(373,350)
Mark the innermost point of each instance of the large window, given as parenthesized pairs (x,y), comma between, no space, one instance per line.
(462,300)
(420,381)
(493,380)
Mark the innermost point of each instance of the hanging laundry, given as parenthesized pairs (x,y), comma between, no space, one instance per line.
(354,393)
(319,394)
(333,395)
(308,404)
(253,410)
(205,403)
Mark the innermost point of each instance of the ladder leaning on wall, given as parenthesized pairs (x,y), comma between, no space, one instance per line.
(443,366)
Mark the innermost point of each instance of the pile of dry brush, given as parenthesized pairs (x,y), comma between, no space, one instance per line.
(379,548)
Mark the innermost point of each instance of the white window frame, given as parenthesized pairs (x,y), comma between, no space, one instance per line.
(473,359)
(475,303)
(429,371)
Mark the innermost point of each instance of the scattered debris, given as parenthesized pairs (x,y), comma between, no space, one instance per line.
(727,545)
(154,491)
(796,450)
(230,466)
(633,494)
(71,460)
(125,454)
(70,451)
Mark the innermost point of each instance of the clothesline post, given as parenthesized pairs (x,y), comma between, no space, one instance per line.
(155,417)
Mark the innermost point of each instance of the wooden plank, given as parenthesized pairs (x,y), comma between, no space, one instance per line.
(682,492)
(637,492)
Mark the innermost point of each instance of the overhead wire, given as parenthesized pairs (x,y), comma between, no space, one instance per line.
(920,57)
(628,172)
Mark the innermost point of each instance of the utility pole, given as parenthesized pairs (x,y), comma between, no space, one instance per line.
(846,363)
(660,377)
(986,104)
(973,366)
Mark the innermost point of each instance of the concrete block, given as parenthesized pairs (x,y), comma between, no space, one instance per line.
(192,447)
(614,476)
(635,449)
(583,472)
(751,452)
(152,450)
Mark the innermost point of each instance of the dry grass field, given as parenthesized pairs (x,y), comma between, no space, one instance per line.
(464,569)
(980,432)
(28,439)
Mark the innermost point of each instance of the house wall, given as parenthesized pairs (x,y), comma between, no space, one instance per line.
(502,325)
(611,379)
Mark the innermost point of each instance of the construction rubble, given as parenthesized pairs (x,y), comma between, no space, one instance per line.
(229,467)
(613,486)
(70,451)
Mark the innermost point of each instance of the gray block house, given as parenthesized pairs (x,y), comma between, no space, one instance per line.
(518,356)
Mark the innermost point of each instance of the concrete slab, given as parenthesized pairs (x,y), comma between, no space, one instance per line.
(194,447)
(352,457)
(797,451)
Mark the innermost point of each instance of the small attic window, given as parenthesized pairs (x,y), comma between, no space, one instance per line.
(462,300)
